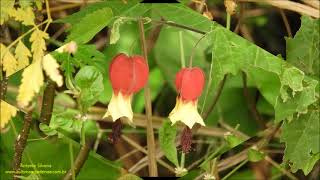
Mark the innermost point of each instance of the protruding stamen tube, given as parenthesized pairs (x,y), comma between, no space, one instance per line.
(186,140)
(116,132)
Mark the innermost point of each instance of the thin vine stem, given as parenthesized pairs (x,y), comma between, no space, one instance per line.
(194,48)
(182,160)
(228,21)
(71,160)
(79,162)
(83,134)
(182,59)
(173,24)
(48,16)
(134,42)
(234,170)
(209,81)
(221,84)
(153,170)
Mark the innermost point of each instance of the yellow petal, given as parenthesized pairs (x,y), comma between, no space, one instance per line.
(186,112)
(120,106)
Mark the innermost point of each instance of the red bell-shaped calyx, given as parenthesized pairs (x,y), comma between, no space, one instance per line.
(190,83)
(128,74)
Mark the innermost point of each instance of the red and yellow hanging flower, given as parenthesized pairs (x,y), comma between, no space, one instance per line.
(128,75)
(189,84)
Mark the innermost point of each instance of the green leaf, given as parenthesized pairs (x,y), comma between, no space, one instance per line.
(303,50)
(118,7)
(280,83)
(54,152)
(264,107)
(47,130)
(167,136)
(63,120)
(232,140)
(255,155)
(89,55)
(269,73)
(156,83)
(107,92)
(302,140)
(230,100)
(85,55)
(90,82)
(167,51)
(90,25)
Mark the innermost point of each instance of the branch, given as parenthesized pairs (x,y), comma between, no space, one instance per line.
(215,98)
(275,164)
(241,156)
(143,150)
(3,88)
(153,37)
(293,6)
(286,23)
(153,171)
(140,121)
(79,162)
(47,102)
(313,3)
(21,143)
(169,23)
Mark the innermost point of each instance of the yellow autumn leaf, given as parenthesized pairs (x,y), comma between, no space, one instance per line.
(22,54)
(51,66)
(26,16)
(38,44)
(9,63)
(32,80)
(5,6)
(7,112)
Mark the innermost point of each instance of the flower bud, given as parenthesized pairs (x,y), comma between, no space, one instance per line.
(231,6)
